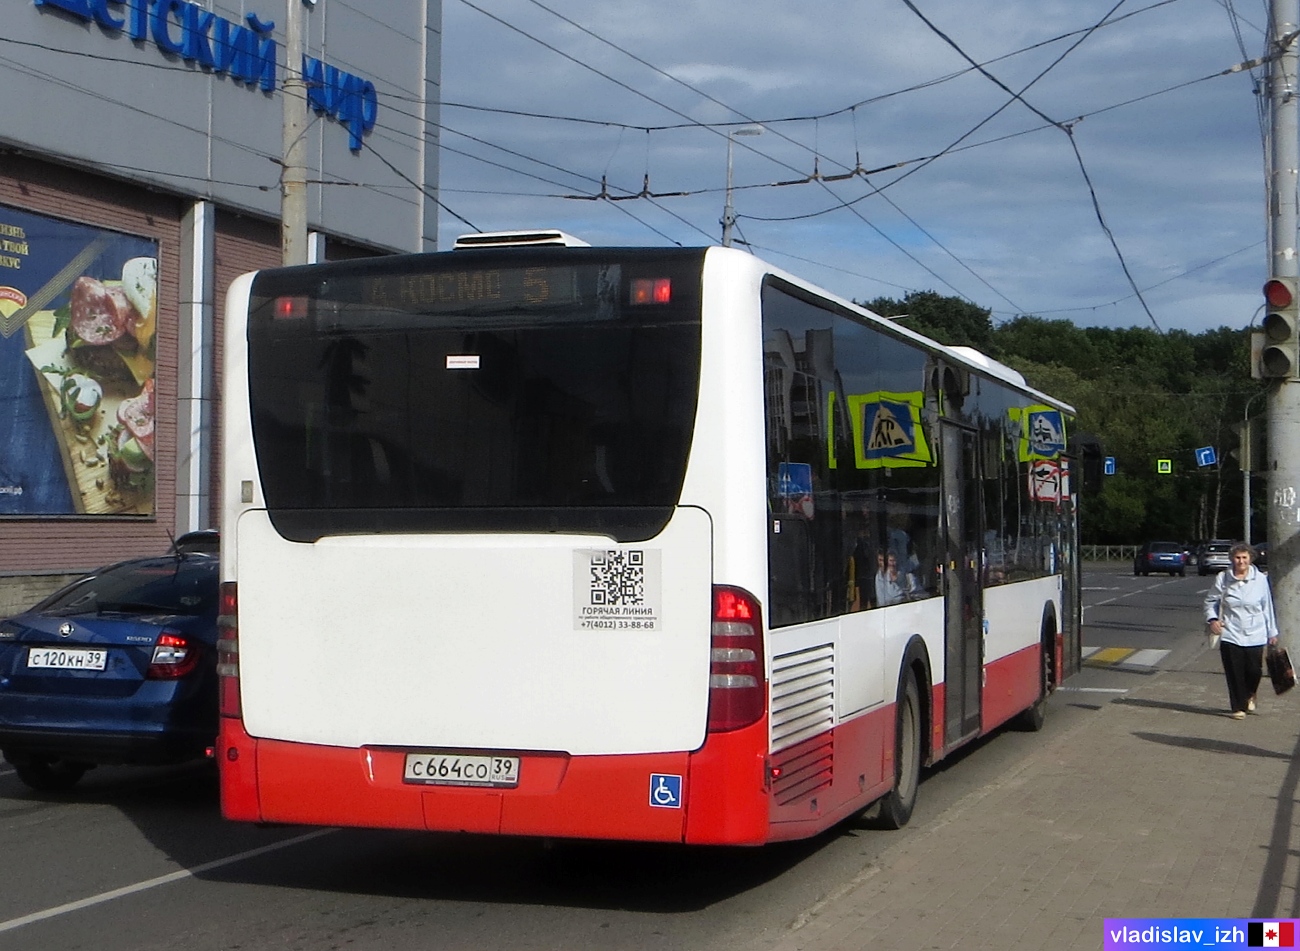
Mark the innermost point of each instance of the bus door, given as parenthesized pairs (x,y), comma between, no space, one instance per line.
(963,596)
(1071,574)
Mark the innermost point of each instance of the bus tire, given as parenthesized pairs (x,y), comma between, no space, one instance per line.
(1032,719)
(896,806)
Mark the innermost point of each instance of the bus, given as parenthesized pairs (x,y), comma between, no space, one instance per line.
(535,538)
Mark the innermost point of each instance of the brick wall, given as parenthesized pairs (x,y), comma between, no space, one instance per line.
(20,592)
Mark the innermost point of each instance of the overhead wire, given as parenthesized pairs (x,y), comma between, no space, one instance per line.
(815,151)
(1150,287)
(899,247)
(1108,20)
(839,110)
(1066,128)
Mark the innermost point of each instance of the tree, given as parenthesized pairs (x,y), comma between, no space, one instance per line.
(1145,395)
(950,320)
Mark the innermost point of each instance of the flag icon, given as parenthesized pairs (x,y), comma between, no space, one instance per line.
(1270,934)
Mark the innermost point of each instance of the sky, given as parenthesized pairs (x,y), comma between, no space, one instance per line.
(543,100)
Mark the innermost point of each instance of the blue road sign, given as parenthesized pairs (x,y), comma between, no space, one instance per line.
(1205,456)
(1109,465)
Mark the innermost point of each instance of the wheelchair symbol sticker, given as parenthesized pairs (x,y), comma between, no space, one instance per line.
(665,791)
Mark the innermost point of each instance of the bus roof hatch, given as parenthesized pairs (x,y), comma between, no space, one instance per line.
(546,238)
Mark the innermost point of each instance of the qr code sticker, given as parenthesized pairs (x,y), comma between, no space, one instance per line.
(618,577)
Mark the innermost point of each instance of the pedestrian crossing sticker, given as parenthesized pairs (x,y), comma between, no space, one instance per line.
(887,430)
(1042,432)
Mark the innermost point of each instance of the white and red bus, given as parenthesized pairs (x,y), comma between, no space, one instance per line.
(613,543)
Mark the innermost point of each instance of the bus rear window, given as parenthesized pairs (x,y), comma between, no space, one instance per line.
(452,393)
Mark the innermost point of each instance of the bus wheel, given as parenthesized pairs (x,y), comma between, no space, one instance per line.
(896,806)
(1032,720)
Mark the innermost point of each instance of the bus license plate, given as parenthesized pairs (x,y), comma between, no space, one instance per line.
(454,769)
(64,658)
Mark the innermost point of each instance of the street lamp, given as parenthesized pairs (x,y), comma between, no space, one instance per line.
(728,212)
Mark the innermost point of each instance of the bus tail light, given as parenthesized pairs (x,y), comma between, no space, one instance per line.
(290,308)
(737,679)
(174,656)
(228,652)
(655,290)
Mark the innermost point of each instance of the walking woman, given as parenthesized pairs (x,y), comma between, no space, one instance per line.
(1239,609)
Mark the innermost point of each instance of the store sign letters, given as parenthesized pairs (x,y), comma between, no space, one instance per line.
(349,99)
(245,53)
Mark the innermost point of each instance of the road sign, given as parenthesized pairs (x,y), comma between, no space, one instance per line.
(1165,466)
(1109,465)
(1206,457)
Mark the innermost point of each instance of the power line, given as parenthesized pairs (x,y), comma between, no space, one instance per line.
(775,120)
(1150,287)
(1067,129)
(713,99)
(423,190)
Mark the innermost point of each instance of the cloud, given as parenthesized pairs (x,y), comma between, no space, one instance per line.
(1005,216)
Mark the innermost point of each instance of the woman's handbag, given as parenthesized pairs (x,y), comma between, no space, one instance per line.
(1279,669)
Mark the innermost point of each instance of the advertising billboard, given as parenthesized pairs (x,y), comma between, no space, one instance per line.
(78,322)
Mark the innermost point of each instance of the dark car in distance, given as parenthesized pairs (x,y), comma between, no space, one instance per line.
(118,667)
(1160,556)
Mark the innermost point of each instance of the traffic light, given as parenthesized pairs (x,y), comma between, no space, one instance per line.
(1281,356)
(1248,437)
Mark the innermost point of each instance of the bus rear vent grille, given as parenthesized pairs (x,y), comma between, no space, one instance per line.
(799,771)
(803,712)
(803,695)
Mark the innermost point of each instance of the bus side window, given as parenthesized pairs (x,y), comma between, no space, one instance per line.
(790,566)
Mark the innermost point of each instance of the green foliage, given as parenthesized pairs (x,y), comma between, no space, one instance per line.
(1145,395)
(952,320)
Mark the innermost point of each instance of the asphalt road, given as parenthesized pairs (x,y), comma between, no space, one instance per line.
(137,859)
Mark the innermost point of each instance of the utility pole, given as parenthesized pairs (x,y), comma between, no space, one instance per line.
(1245,449)
(293,172)
(1284,397)
(728,210)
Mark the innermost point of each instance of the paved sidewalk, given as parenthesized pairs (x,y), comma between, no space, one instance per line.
(1158,805)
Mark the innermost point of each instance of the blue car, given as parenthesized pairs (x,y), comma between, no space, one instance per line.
(119,667)
(1160,556)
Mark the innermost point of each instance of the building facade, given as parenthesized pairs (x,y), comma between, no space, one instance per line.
(140,167)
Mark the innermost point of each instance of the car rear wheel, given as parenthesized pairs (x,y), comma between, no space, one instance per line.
(48,773)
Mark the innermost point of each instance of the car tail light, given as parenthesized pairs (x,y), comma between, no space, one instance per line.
(228,652)
(174,656)
(737,679)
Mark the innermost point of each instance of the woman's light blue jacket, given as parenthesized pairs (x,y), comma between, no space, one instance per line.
(1244,606)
